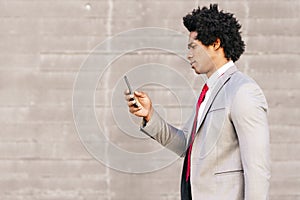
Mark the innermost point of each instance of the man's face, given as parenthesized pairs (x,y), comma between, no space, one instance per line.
(200,56)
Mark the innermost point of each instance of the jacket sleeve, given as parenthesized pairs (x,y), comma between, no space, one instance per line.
(166,134)
(249,116)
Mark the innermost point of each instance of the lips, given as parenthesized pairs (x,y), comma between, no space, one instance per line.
(192,62)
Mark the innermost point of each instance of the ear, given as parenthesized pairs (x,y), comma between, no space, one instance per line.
(217,44)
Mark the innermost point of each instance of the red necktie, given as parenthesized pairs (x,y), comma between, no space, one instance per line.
(200,100)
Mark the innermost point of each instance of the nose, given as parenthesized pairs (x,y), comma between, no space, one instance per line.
(189,55)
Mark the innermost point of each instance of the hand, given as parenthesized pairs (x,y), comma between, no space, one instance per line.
(144,105)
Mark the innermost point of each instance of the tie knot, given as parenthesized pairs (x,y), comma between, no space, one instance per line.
(202,95)
(205,87)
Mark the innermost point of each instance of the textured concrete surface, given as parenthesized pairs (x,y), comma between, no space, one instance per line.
(42,46)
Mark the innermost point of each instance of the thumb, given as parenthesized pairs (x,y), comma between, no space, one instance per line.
(139,94)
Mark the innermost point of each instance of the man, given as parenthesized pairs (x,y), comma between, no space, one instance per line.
(226,141)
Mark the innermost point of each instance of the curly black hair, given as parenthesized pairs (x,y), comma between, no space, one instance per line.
(211,24)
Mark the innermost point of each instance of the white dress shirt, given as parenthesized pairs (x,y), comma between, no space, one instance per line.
(211,82)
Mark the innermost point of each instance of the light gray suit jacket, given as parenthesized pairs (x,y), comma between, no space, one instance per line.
(230,158)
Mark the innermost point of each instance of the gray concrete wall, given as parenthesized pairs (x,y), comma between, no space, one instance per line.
(42,46)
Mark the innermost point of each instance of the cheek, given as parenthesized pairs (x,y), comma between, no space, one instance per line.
(201,52)
(205,57)
(202,57)
(198,55)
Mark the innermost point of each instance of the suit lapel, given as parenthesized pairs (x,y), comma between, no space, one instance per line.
(220,83)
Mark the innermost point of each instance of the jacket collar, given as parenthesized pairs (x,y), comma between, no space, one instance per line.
(220,83)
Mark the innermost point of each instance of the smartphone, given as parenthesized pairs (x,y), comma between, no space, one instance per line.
(130,91)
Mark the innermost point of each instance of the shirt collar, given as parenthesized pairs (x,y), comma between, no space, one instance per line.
(215,76)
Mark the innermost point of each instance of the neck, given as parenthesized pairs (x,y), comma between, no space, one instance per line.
(217,65)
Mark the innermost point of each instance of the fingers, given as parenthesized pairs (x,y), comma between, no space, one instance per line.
(133,103)
(140,94)
(126,92)
(129,97)
(136,93)
(133,106)
(134,109)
